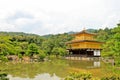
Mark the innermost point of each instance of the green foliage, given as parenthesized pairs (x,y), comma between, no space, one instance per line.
(3,76)
(116,41)
(117,61)
(112,46)
(3,58)
(4,49)
(53,42)
(55,51)
(113,77)
(78,76)
(88,76)
(42,54)
(62,51)
(48,46)
(59,51)
(20,44)
(104,34)
(32,49)
(18,50)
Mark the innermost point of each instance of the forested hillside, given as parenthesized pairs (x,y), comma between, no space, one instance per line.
(15,43)
(18,43)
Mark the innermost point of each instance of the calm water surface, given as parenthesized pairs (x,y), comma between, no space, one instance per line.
(52,70)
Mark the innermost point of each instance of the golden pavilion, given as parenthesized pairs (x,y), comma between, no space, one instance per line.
(84,45)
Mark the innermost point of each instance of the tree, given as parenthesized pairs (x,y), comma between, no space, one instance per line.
(48,45)
(59,51)
(32,49)
(55,51)
(102,35)
(112,46)
(42,54)
(115,41)
(4,50)
(62,51)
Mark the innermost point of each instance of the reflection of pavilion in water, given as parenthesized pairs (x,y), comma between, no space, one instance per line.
(96,64)
(83,64)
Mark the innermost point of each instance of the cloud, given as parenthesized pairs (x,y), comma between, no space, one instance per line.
(111,19)
(57,16)
(7,27)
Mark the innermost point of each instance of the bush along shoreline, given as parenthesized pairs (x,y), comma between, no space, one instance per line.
(88,76)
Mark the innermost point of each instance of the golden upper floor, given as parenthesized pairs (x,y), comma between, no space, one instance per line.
(84,36)
(84,40)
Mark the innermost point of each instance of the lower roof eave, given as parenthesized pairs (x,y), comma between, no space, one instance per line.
(84,48)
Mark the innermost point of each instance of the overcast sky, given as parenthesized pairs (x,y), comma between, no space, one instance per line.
(57,16)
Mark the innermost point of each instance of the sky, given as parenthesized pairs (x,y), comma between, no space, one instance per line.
(57,16)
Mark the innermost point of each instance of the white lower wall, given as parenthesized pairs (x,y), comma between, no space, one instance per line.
(96,52)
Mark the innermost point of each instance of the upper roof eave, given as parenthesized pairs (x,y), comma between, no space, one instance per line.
(83,41)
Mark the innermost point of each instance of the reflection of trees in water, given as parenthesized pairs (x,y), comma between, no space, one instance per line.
(3,76)
(58,67)
(32,69)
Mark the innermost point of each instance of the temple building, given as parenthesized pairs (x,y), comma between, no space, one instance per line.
(84,45)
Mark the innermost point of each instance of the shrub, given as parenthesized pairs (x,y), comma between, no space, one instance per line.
(113,77)
(78,76)
(42,55)
(3,76)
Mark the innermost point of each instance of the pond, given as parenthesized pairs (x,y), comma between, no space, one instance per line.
(55,69)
